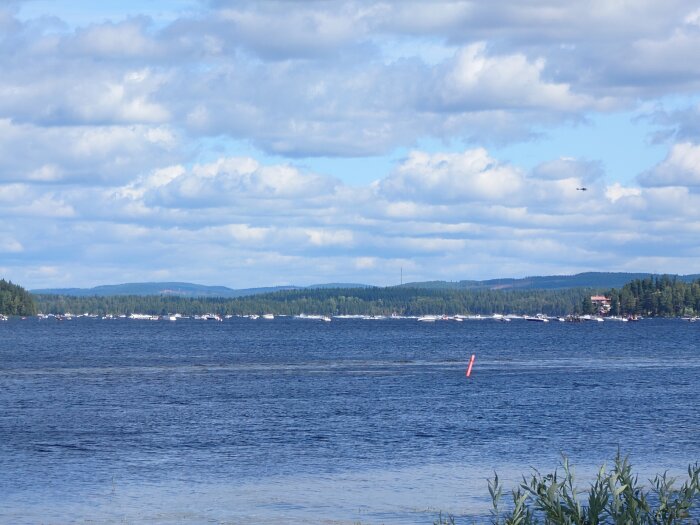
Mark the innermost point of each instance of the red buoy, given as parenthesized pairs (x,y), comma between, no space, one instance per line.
(471,363)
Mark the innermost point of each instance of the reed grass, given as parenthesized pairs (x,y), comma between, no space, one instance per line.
(615,497)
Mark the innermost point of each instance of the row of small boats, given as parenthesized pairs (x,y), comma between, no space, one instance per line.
(539,318)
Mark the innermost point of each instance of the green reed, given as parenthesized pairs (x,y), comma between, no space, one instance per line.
(615,497)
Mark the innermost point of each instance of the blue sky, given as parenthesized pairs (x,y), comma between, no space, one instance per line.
(261,143)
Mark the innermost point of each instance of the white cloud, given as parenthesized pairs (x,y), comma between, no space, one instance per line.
(304,31)
(46,173)
(116,40)
(680,168)
(299,79)
(21,200)
(450,177)
(231,180)
(617,191)
(93,155)
(365,263)
(108,131)
(446,213)
(693,18)
(318,237)
(477,81)
(47,206)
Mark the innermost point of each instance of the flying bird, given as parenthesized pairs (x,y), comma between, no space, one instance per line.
(582,189)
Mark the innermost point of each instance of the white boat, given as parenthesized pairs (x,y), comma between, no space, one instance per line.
(139,317)
(539,318)
(326,319)
(268,316)
(427,319)
(313,317)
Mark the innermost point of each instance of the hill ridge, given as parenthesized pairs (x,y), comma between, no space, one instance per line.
(599,280)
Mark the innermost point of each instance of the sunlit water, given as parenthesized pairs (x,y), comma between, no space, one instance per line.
(299,421)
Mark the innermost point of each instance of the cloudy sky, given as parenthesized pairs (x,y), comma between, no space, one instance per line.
(296,142)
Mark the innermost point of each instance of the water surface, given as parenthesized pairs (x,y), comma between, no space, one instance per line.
(298,421)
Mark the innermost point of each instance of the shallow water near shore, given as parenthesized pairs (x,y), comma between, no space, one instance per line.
(298,421)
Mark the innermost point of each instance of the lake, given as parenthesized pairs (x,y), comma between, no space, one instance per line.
(299,421)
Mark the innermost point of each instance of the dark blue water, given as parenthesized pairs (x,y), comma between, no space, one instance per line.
(296,421)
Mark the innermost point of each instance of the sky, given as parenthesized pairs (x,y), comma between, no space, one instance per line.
(261,143)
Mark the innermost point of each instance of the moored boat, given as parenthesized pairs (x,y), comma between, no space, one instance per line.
(539,318)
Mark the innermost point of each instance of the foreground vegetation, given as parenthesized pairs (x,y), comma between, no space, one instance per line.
(615,497)
(15,300)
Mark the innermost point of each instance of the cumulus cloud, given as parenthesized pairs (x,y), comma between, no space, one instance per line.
(299,79)
(597,46)
(438,215)
(680,168)
(92,155)
(305,31)
(109,97)
(458,177)
(227,181)
(108,131)
(477,81)
(429,185)
(125,39)
(617,191)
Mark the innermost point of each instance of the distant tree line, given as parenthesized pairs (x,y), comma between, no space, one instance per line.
(332,301)
(664,296)
(15,300)
(652,296)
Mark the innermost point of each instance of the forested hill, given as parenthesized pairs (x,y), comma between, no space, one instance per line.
(598,280)
(334,301)
(161,288)
(595,280)
(178,289)
(665,296)
(15,300)
(651,296)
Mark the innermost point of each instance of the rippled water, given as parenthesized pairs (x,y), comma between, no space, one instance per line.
(297,421)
